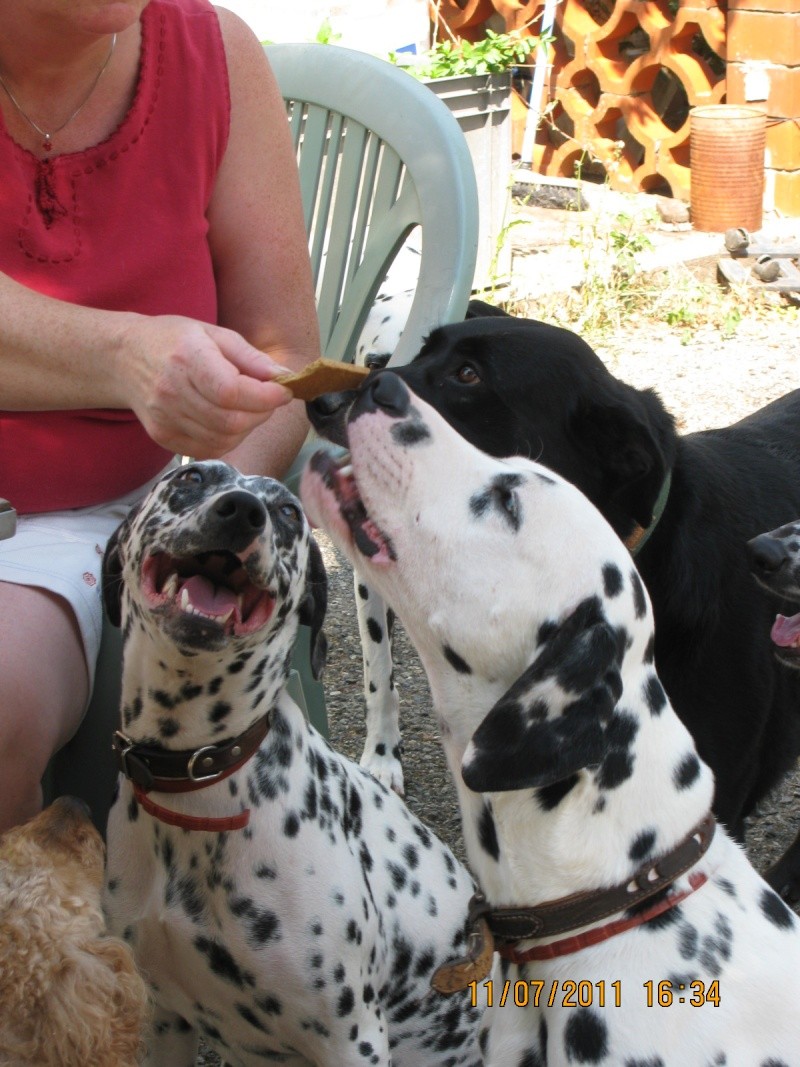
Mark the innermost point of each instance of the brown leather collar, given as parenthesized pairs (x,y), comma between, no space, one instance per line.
(162,770)
(508,925)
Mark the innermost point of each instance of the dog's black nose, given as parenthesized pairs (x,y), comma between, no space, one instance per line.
(239,513)
(766,554)
(385,392)
(328,415)
(329,404)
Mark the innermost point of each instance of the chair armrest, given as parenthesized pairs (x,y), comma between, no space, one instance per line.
(8,519)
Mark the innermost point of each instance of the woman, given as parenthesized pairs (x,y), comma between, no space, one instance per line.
(150,222)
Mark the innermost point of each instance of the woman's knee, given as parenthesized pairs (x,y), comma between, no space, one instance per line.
(43,685)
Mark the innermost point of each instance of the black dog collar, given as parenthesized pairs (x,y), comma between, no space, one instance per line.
(162,770)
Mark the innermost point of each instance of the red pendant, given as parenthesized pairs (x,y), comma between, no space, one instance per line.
(48,145)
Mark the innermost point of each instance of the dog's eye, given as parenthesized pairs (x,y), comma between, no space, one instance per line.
(191,475)
(291,512)
(377,362)
(467,375)
(508,500)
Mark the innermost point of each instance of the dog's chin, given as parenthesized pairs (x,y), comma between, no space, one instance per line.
(789,657)
(193,633)
(330,493)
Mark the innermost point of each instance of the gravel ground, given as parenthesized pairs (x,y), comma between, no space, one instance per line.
(709,381)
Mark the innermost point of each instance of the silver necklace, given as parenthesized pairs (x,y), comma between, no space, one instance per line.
(47,144)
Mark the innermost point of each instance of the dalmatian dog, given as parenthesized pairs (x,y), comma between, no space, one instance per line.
(775,564)
(378,341)
(284,906)
(632,932)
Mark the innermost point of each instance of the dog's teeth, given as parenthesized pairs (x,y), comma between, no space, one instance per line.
(171,586)
(347,471)
(185,603)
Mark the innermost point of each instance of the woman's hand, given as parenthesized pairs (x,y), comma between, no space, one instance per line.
(197,389)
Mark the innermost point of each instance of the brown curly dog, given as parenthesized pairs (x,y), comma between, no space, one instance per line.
(70,994)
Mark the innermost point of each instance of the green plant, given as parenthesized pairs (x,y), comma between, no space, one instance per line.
(326,35)
(493,54)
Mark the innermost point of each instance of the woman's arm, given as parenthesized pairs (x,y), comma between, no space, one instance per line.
(258,241)
(198,389)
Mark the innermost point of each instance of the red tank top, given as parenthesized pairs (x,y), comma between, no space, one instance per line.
(120,226)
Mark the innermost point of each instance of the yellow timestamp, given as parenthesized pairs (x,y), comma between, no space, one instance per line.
(540,993)
(665,994)
(566,993)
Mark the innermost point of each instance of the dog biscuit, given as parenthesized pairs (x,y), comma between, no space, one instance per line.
(323,376)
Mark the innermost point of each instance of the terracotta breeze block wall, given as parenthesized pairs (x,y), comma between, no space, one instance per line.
(611,100)
(764,72)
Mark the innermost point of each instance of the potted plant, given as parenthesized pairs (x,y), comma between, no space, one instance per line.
(474,79)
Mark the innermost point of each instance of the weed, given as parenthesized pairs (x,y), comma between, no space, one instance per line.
(613,287)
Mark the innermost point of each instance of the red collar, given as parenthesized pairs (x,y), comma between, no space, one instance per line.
(190,822)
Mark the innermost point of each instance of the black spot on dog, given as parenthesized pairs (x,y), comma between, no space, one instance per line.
(585,1037)
(220,711)
(269,1004)
(549,797)
(775,910)
(410,432)
(687,771)
(487,833)
(687,941)
(639,598)
(250,1017)
(612,580)
(411,856)
(375,631)
(291,824)
(616,768)
(642,846)
(654,695)
(455,661)
(726,887)
(222,963)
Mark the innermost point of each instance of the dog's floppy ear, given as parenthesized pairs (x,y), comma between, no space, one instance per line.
(112,578)
(552,722)
(630,438)
(112,569)
(313,607)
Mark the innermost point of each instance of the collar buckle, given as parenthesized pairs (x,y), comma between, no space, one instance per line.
(207,761)
(131,765)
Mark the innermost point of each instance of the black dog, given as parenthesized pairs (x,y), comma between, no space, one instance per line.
(520,387)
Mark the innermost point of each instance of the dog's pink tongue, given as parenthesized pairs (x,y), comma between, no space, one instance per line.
(786,631)
(206,597)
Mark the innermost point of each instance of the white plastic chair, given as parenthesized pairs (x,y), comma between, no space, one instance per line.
(379,155)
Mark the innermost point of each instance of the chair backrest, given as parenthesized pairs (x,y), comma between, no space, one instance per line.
(379,154)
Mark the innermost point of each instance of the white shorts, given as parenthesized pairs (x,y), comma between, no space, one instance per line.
(62,551)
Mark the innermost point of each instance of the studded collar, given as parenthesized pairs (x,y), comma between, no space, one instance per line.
(160,770)
(501,929)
